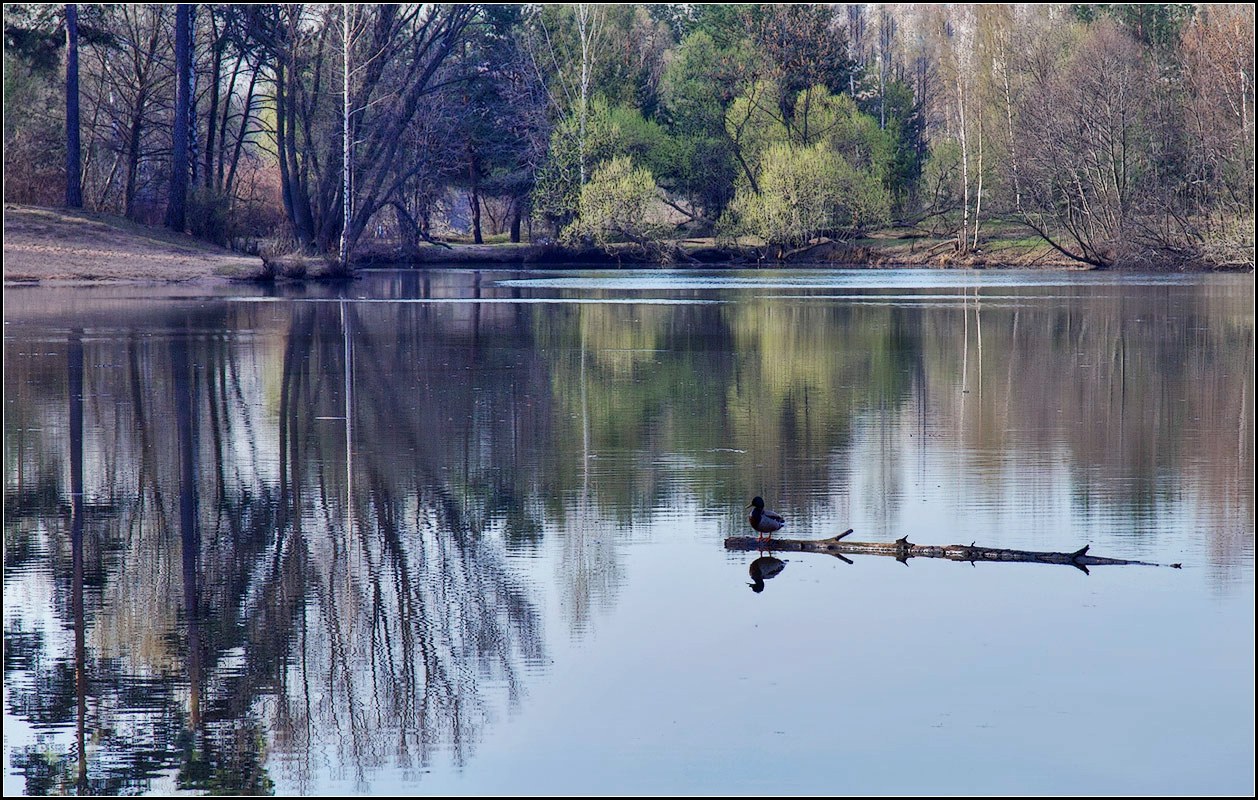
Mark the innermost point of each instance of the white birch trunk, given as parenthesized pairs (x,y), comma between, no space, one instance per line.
(965,166)
(1013,142)
(587,33)
(346,165)
(978,194)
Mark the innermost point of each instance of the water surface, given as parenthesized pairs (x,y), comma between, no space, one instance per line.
(459,532)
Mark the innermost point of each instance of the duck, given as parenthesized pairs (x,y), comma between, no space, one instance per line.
(764,522)
(762,569)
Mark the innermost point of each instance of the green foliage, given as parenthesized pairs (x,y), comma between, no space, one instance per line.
(626,52)
(616,206)
(700,81)
(644,140)
(610,132)
(725,23)
(34,34)
(753,121)
(941,184)
(696,89)
(806,192)
(823,167)
(34,104)
(819,116)
(557,192)
(905,128)
(704,174)
(802,45)
(34,134)
(1156,25)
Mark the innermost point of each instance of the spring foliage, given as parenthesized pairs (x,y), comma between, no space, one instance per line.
(805,192)
(617,205)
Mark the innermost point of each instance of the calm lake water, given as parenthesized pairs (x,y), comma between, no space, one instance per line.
(462,532)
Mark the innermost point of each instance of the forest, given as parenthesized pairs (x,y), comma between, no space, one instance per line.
(1120,135)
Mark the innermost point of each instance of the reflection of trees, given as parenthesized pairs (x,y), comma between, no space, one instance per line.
(409,608)
(257,579)
(136,547)
(783,384)
(223,605)
(1134,385)
(775,389)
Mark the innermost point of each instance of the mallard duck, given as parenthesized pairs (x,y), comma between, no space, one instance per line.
(762,569)
(764,522)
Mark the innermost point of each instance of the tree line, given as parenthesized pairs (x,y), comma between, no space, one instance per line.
(1120,134)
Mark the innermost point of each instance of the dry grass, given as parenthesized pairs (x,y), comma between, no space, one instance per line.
(46,244)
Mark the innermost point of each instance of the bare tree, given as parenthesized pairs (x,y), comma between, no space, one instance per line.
(128,95)
(1087,154)
(400,53)
(74,157)
(176,204)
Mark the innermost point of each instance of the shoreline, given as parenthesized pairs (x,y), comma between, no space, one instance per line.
(72,247)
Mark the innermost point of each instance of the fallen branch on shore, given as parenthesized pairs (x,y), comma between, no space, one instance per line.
(902,550)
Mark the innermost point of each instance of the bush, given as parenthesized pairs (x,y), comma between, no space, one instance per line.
(209,215)
(807,192)
(616,206)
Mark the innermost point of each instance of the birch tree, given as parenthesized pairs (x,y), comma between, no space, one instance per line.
(347,146)
(589,22)
(954,38)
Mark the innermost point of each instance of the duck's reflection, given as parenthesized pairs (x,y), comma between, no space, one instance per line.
(762,569)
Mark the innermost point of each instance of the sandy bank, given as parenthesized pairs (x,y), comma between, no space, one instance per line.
(64,246)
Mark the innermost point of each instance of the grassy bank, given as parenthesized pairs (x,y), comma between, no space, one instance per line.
(72,246)
(44,244)
(1002,246)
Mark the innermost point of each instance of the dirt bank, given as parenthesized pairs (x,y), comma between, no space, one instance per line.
(58,245)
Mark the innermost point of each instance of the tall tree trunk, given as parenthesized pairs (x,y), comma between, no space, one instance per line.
(211,127)
(962,238)
(347,164)
(516,213)
(133,159)
(1013,142)
(227,185)
(886,37)
(304,220)
(290,187)
(74,157)
(176,206)
(587,32)
(223,119)
(474,199)
(281,133)
(190,118)
(978,194)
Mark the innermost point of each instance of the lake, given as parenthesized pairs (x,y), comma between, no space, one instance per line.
(462,532)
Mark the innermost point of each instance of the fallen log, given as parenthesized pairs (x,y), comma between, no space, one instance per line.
(902,550)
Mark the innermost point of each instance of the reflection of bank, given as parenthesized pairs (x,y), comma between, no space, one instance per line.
(762,569)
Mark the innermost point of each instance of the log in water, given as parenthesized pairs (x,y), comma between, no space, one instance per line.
(902,550)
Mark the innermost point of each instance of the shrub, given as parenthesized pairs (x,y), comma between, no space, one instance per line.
(807,192)
(616,206)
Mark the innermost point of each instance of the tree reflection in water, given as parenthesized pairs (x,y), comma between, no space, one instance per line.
(282,534)
(247,600)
